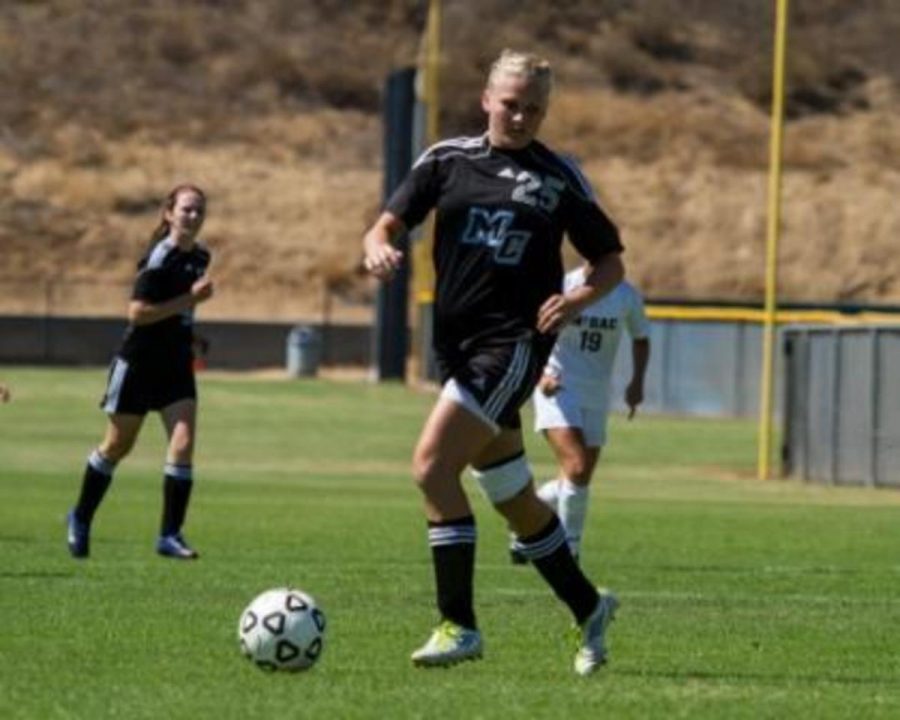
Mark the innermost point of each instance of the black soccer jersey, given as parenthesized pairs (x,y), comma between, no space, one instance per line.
(500,218)
(163,274)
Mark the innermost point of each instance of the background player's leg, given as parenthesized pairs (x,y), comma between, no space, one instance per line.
(576,463)
(548,492)
(121,432)
(179,420)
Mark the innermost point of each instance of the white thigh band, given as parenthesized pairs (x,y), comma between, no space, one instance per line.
(502,482)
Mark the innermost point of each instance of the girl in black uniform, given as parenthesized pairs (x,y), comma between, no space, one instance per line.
(153,370)
(503,202)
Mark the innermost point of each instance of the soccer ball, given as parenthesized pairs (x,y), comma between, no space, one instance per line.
(282,629)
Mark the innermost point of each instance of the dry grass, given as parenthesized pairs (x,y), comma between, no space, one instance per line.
(272,106)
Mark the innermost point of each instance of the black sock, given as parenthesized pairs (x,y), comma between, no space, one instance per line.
(177,485)
(97,476)
(453,553)
(550,554)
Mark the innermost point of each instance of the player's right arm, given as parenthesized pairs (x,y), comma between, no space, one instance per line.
(408,205)
(380,257)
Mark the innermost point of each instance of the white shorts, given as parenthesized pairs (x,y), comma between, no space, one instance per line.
(564,410)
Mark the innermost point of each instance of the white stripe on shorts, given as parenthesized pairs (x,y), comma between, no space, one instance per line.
(511,381)
(452,390)
(116,380)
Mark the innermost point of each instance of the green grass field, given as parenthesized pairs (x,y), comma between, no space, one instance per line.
(740,598)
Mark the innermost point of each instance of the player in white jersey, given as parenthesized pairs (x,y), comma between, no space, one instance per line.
(572,398)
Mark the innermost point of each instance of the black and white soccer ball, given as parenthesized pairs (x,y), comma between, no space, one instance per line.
(282,629)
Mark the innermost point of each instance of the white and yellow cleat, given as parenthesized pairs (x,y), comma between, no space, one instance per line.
(591,652)
(449,644)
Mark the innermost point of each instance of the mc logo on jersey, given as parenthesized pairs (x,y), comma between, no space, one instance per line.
(492,229)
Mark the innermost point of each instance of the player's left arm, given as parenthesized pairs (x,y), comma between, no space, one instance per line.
(640,358)
(596,238)
(601,276)
(639,330)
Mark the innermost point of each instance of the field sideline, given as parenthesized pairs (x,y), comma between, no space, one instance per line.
(740,599)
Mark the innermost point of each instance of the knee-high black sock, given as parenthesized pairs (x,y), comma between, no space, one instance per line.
(453,553)
(97,476)
(550,554)
(177,485)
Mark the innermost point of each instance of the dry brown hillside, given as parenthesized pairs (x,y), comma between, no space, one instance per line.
(273,107)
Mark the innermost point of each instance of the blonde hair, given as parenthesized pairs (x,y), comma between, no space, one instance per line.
(523,64)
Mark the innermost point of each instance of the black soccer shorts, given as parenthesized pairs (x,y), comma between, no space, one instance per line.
(137,388)
(500,377)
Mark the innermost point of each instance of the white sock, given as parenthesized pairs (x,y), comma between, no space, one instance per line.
(549,493)
(573,505)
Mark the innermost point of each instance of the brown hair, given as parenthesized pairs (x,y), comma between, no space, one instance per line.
(162,229)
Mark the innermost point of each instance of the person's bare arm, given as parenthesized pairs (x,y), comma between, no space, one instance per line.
(380,257)
(141,312)
(640,357)
(600,278)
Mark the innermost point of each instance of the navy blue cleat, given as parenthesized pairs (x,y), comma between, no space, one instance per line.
(175,546)
(78,536)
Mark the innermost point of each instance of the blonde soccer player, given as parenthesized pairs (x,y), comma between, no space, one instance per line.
(503,203)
